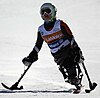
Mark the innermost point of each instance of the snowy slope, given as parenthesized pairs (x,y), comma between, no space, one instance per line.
(19,21)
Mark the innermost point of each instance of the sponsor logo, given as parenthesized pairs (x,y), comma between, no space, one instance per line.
(53,37)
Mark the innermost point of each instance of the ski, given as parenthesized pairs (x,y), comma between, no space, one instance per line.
(76,91)
(72,90)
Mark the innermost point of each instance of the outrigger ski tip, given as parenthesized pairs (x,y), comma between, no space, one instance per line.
(92,87)
(13,87)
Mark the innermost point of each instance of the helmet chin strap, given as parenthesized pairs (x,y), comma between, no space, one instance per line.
(50,20)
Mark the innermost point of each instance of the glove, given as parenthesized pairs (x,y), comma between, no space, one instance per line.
(33,56)
(77,58)
(28,60)
(78,55)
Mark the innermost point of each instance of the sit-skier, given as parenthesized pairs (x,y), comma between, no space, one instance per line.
(62,44)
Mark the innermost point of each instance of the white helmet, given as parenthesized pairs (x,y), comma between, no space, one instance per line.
(49,9)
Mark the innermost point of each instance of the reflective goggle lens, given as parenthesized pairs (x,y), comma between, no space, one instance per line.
(47,10)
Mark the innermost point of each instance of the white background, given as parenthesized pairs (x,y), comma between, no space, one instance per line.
(19,21)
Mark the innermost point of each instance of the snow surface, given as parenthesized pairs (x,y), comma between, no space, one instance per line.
(19,20)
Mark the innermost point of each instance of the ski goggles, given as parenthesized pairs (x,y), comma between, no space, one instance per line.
(47,10)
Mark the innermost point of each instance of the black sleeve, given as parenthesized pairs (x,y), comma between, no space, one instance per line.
(39,41)
(68,33)
(37,46)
